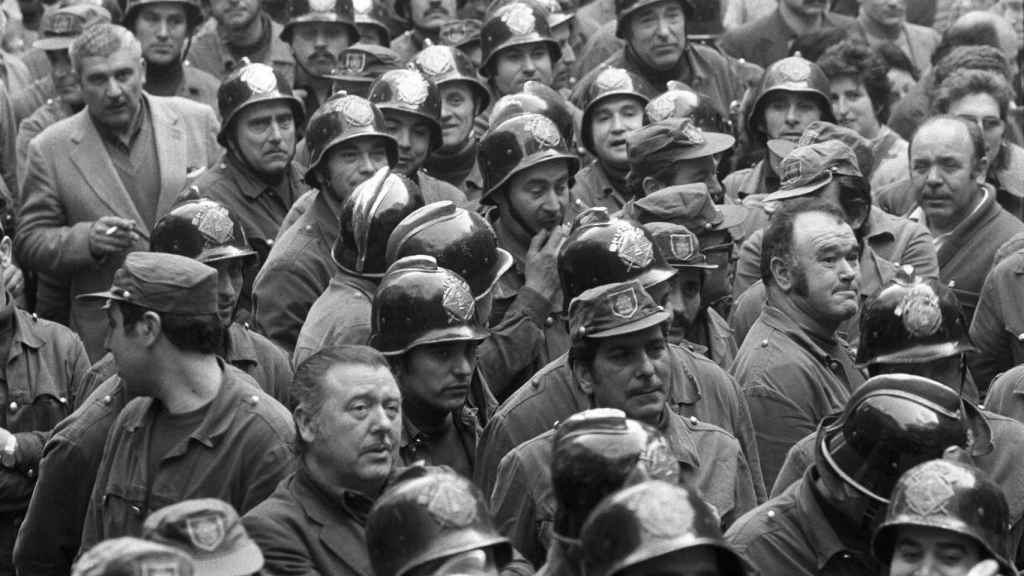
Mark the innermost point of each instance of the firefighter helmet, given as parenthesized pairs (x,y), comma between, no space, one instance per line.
(343,118)
(516,23)
(193,12)
(626,8)
(409,92)
(253,83)
(792,74)
(536,98)
(611,82)
(445,64)
(328,11)
(202,229)
(517,144)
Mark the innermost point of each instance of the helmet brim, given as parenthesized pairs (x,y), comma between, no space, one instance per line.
(533,38)
(547,155)
(314,18)
(884,540)
(298,114)
(501,266)
(921,353)
(655,319)
(462,333)
(389,141)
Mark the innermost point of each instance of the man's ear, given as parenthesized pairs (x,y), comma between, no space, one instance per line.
(584,377)
(149,327)
(981,165)
(6,251)
(306,425)
(650,185)
(782,273)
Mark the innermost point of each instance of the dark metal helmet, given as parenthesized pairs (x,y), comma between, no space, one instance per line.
(446,64)
(193,12)
(460,34)
(611,82)
(626,8)
(892,423)
(649,520)
(360,65)
(912,321)
(202,229)
(254,83)
(367,218)
(329,11)
(519,143)
(949,496)
(420,303)
(792,74)
(536,98)
(343,118)
(515,24)
(601,249)
(409,92)
(597,452)
(370,13)
(460,240)
(427,518)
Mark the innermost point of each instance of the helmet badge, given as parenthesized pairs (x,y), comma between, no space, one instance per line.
(357,111)
(633,248)
(411,89)
(457,300)
(435,60)
(355,61)
(659,516)
(613,79)
(544,131)
(206,532)
(520,19)
(624,303)
(214,222)
(362,6)
(692,133)
(159,568)
(322,5)
(448,505)
(920,311)
(259,78)
(682,245)
(661,108)
(928,492)
(794,69)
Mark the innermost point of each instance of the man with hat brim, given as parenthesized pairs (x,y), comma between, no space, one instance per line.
(768,39)
(657,528)
(434,521)
(463,98)
(813,288)
(692,322)
(517,46)
(602,250)
(425,18)
(371,20)
(658,56)
(360,65)
(792,94)
(164,28)
(347,145)
(614,110)
(257,179)
(465,35)
(621,317)
(341,313)
(164,332)
(210,531)
(425,323)
(127,555)
(411,106)
(243,29)
(318,31)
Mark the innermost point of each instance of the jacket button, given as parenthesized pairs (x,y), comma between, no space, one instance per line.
(137,510)
(31,473)
(62,400)
(106,399)
(549,322)
(13,406)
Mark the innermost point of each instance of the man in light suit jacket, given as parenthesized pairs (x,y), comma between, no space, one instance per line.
(97,182)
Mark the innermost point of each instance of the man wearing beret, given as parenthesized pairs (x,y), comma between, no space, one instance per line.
(201,427)
(621,359)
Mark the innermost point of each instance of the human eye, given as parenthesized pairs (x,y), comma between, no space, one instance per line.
(359,408)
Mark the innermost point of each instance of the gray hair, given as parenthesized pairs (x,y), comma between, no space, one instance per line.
(102,40)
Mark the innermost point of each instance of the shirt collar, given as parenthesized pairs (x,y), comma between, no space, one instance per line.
(252,186)
(680,439)
(774,318)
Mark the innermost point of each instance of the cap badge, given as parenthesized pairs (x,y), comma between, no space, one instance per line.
(544,131)
(520,19)
(927,492)
(362,6)
(449,504)
(683,246)
(411,89)
(214,222)
(259,78)
(355,61)
(159,568)
(920,311)
(435,60)
(357,111)
(794,69)
(206,532)
(692,133)
(65,24)
(613,79)
(624,303)
(633,248)
(661,108)
(660,516)
(454,32)
(457,300)
(322,5)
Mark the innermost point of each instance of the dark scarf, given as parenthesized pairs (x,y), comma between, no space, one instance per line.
(453,167)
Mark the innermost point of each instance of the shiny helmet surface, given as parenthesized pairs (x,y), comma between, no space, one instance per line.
(343,118)
(517,144)
(409,92)
(251,84)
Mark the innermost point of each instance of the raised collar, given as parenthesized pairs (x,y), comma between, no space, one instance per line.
(881,224)
(775,319)
(239,347)
(252,186)
(680,439)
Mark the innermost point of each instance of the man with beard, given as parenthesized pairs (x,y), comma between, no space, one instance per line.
(426,17)
(162,26)
(516,46)
(463,98)
(425,322)
(411,106)
(256,179)
(621,359)
(318,31)
(243,30)
(811,269)
(767,40)
(947,172)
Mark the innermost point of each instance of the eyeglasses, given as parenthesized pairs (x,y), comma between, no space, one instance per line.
(986,123)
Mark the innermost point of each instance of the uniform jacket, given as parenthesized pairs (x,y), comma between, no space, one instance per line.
(238,453)
(341,315)
(260,358)
(302,531)
(591,188)
(721,346)
(199,86)
(916,42)
(53,111)
(767,39)
(750,182)
(524,504)
(697,387)
(788,399)
(997,330)
(70,182)
(210,53)
(892,162)
(791,535)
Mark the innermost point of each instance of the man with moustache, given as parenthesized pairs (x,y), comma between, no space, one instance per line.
(947,173)
(767,40)
(426,17)
(811,269)
(97,182)
(516,46)
(885,21)
(256,179)
(244,30)
(162,28)
(348,422)
(318,31)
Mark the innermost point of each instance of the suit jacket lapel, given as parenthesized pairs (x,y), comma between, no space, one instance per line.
(90,157)
(170,153)
(338,533)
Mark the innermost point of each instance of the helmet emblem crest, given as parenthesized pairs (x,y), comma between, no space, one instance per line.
(928,493)
(544,131)
(794,69)
(435,60)
(661,108)
(457,300)
(357,111)
(448,505)
(692,133)
(624,303)
(322,5)
(411,89)
(682,245)
(633,248)
(613,79)
(215,223)
(920,311)
(520,19)
(660,517)
(259,78)
(362,6)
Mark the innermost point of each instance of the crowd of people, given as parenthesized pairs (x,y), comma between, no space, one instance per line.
(504,287)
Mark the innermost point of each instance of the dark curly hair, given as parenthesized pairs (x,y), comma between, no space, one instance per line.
(855,59)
